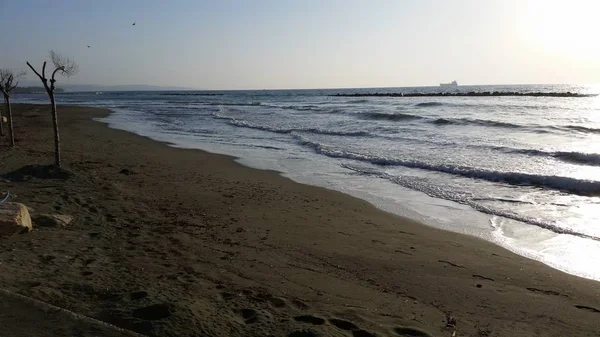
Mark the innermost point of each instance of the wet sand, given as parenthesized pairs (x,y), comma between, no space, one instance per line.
(174,242)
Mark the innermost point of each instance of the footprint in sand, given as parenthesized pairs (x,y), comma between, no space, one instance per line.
(249,315)
(227,296)
(138,295)
(411,332)
(299,304)
(586,308)
(153,312)
(344,325)
(451,264)
(543,291)
(482,277)
(304,333)
(362,333)
(310,319)
(276,302)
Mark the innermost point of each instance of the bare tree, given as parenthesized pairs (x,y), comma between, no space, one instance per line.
(63,66)
(9,81)
(1,124)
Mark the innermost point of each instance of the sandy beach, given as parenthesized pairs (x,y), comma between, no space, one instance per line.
(175,242)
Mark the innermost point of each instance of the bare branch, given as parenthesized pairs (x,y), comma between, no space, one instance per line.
(32,68)
(4,76)
(9,80)
(61,69)
(44,71)
(64,65)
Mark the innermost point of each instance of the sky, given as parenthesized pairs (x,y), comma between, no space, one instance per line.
(284,44)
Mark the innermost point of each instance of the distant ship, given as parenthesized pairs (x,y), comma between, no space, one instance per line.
(451,84)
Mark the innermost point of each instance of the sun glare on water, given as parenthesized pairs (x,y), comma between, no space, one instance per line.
(568,28)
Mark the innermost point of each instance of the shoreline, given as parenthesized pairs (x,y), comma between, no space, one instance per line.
(439,213)
(247,244)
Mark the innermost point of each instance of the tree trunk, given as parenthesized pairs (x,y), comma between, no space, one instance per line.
(11,131)
(56,136)
(1,125)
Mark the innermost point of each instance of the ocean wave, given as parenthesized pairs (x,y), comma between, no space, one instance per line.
(235,104)
(578,128)
(358,101)
(444,121)
(579,157)
(507,200)
(188,102)
(293,107)
(467,121)
(387,116)
(559,183)
(466,199)
(241,123)
(548,225)
(267,147)
(428,104)
(465,94)
(592,159)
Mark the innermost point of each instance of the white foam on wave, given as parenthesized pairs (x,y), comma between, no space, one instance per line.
(247,124)
(573,185)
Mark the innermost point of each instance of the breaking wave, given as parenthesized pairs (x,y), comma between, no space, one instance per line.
(466,199)
(428,104)
(565,184)
(246,124)
(592,159)
(467,121)
(389,117)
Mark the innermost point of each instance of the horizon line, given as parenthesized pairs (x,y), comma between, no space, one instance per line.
(182,88)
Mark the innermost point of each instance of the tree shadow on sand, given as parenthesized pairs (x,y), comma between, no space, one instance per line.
(28,172)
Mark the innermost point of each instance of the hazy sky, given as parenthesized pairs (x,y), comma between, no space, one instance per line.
(308,44)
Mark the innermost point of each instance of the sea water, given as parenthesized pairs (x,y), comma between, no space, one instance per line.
(523,172)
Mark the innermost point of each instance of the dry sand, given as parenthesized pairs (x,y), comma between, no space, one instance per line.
(173,242)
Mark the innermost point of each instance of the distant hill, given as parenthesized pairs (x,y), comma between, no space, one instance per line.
(33,90)
(132,87)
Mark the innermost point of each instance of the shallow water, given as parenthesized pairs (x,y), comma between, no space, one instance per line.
(523,172)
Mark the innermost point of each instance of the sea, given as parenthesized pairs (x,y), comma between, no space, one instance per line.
(522,172)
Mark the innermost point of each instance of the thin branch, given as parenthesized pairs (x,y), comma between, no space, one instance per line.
(44,71)
(32,68)
(8,80)
(65,65)
(3,77)
(55,71)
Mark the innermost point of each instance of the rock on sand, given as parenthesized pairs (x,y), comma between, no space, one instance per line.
(14,219)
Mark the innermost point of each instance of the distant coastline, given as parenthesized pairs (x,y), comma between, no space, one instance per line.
(33,90)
